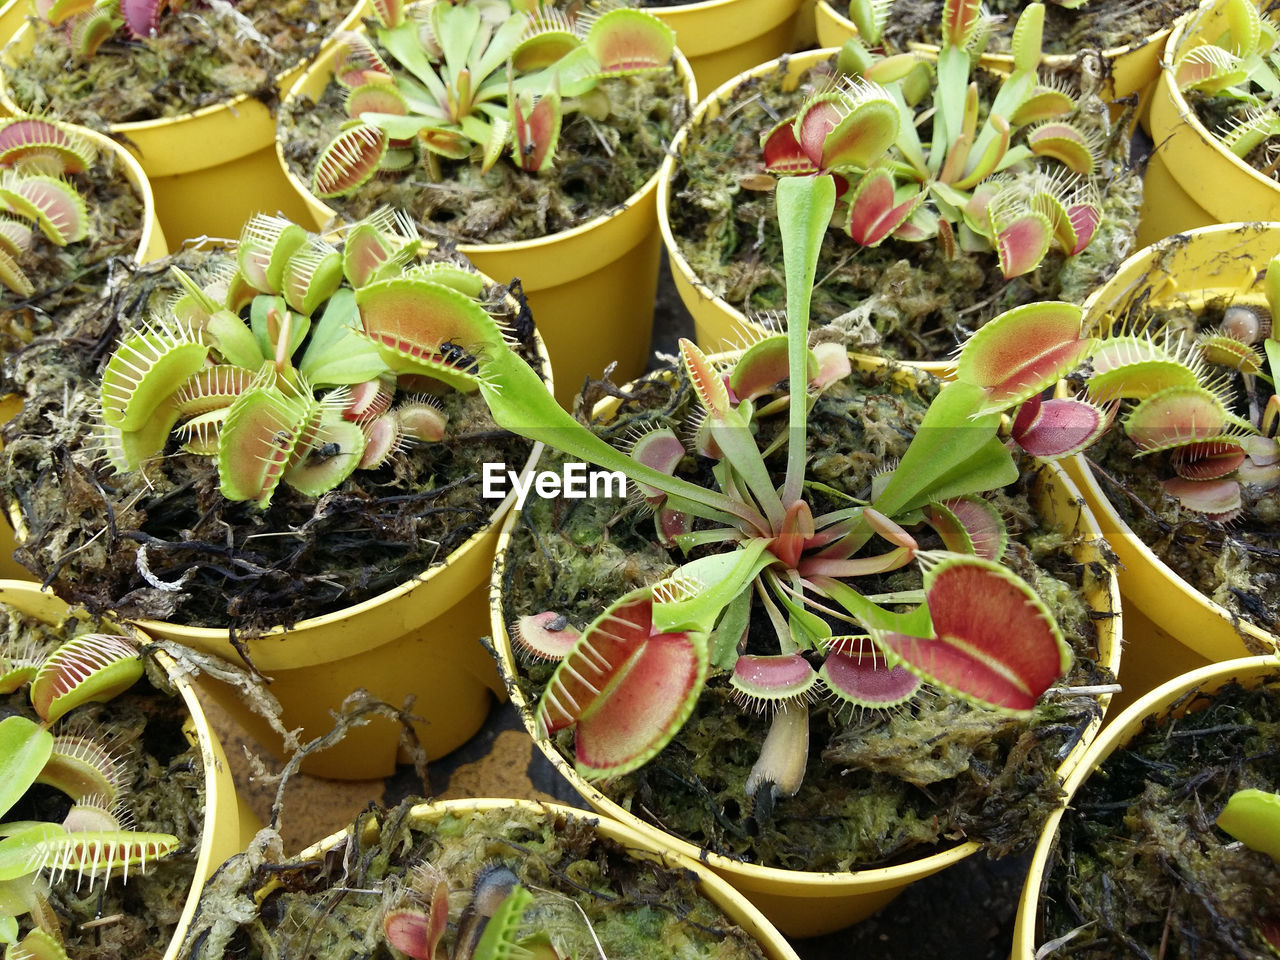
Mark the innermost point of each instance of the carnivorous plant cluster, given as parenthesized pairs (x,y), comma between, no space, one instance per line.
(234,391)
(1183,397)
(473,80)
(628,681)
(94,841)
(1230,54)
(36,157)
(489,925)
(89,22)
(1019,182)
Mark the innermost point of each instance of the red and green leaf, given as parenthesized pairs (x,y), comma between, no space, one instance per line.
(1059,427)
(349,161)
(93,667)
(857,673)
(969,525)
(625,689)
(1219,499)
(1064,143)
(874,211)
(995,642)
(28,136)
(1024,350)
(625,41)
(1207,461)
(783,153)
(771,680)
(840,130)
(1176,416)
(535,129)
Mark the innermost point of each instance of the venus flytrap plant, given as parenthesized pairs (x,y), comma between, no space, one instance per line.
(1196,401)
(944,175)
(490,925)
(94,841)
(1239,67)
(36,158)
(627,682)
(477,81)
(305,391)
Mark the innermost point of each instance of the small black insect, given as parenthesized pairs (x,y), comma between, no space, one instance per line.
(326,451)
(456,356)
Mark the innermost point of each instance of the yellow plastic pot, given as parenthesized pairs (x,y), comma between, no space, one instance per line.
(211,169)
(1191,180)
(1133,67)
(1224,260)
(420,638)
(591,289)
(803,903)
(722,38)
(151,246)
(1249,671)
(13,14)
(221,836)
(734,905)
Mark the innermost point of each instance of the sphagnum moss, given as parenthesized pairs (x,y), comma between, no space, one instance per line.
(1140,868)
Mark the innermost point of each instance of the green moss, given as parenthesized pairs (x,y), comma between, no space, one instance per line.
(1140,865)
(206,54)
